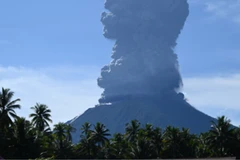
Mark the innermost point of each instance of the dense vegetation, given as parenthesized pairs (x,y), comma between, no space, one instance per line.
(31,139)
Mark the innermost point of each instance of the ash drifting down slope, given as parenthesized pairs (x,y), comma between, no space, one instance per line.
(142,81)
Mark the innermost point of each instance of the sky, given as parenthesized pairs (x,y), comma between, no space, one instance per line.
(51,52)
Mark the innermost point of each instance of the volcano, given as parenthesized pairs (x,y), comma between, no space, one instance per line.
(142,81)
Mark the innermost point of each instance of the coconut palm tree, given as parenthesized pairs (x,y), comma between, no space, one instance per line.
(41,116)
(188,143)
(85,130)
(98,137)
(142,148)
(63,146)
(172,140)
(24,144)
(157,141)
(202,149)
(22,129)
(86,146)
(21,134)
(60,133)
(69,130)
(7,108)
(99,134)
(221,134)
(120,146)
(86,143)
(132,130)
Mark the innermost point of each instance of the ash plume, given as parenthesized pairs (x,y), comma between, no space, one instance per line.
(144,62)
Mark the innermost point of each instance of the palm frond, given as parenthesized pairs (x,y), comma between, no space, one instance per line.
(13,102)
(16,106)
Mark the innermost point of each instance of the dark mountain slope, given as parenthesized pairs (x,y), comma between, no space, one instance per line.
(154,110)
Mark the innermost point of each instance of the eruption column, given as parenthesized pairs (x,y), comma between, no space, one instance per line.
(144,62)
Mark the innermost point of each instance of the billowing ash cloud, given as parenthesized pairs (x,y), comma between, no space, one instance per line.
(144,62)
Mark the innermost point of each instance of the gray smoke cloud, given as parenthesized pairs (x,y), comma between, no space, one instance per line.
(144,62)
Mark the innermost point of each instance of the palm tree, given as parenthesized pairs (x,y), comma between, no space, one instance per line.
(41,116)
(120,146)
(132,130)
(188,144)
(48,142)
(149,130)
(86,146)
(142,148)
(156,140)
(86,130)
(64,147)
(60,134)
(202,149)
(98,137)
(7,108)
(86,142)
(99,134)
(22,129)
(69,130)
(24,139)
(221,134)
(172,140)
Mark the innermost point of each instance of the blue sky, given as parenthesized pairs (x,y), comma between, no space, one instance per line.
(52,52)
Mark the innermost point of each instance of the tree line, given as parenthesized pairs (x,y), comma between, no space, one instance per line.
(21,138)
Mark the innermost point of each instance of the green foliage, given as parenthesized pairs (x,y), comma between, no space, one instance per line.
(7,109)
(41,116)
(24,139)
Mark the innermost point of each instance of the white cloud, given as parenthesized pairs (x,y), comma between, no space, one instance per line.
(216,95)
(69,91)
(214,91)
(226,9)
(66,98)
